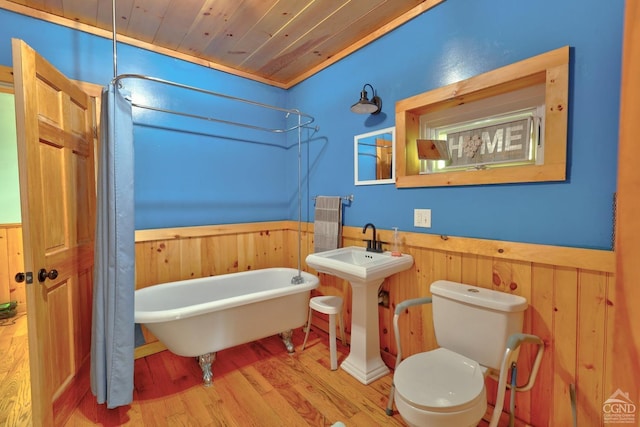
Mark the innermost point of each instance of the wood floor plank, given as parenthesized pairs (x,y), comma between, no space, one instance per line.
(196,407)
(256,384)
(323,388)
(221,414)
(15,385)
(323,404)
(166,387)
(292,386)
(244,405)
(289,412)
(367,399)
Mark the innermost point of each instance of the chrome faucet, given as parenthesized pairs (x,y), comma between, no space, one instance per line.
(372,245)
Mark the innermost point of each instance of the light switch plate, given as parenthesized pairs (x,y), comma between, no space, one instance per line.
(422,218)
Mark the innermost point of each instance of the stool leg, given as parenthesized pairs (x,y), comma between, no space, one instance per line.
(340,322)
(332,342)
(308,329)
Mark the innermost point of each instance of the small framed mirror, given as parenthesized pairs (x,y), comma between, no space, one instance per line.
(374,157)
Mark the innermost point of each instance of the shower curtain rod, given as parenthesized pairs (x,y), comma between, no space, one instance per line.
(309,119)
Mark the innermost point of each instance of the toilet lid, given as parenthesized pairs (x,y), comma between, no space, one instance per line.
(439,380)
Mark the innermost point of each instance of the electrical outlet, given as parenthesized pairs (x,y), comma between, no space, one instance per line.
(422,218)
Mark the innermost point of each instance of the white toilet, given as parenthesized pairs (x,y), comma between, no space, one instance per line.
(445,387)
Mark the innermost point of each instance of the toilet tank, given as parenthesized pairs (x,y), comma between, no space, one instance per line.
(475,322)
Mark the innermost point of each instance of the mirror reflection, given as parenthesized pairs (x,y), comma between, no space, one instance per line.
(374,161)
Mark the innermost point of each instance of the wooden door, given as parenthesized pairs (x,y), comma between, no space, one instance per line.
(55,129)
(623,345)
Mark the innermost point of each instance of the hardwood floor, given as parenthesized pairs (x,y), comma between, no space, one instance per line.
(256,384)
(15,386)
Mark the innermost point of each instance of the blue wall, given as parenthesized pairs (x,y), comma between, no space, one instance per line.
(215,175)
(188,172)
(456,40)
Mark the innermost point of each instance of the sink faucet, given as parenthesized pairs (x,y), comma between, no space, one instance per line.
(372,245)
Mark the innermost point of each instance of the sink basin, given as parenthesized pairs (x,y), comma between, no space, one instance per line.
(355,264)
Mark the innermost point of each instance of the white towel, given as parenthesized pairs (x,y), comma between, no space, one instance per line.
(327,226)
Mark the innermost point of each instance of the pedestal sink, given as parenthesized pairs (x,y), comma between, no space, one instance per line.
(365,271)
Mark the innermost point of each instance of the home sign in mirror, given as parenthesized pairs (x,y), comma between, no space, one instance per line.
(374,157)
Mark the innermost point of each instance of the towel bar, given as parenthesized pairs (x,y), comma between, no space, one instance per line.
(348,198)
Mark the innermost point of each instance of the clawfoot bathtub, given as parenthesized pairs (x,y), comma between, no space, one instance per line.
(198,317)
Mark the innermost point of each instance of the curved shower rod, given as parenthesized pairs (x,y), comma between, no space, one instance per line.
(309,119)
(116,81)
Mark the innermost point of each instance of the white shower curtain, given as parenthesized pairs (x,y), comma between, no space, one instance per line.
(112,337)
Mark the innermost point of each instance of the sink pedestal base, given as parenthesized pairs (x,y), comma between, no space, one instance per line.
(364,362)
(365,377)
(365,271)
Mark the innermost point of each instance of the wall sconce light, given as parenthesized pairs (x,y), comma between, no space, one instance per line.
(364,106)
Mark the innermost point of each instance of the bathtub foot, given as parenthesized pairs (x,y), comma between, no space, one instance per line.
(287,339)
(205,362)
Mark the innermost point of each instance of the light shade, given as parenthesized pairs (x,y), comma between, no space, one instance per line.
(364,106)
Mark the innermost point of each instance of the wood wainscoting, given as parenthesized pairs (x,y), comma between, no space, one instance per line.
(11,262)
(570,294)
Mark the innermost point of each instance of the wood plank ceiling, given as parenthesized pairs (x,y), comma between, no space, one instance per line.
(279,42)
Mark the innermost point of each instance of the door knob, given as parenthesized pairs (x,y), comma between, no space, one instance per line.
(20,277)
(43,275)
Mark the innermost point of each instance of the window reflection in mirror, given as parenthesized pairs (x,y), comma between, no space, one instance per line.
(374,160)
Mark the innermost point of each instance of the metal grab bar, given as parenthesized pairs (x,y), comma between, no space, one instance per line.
(513,343)
(396,315)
